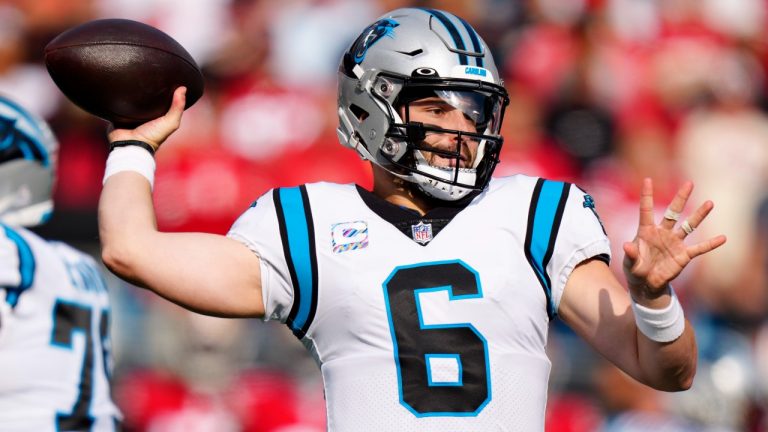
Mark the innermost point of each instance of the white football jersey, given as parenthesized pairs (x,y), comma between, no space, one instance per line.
(430,324)
(54,338)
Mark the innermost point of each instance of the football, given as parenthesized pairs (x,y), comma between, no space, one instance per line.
(122,71)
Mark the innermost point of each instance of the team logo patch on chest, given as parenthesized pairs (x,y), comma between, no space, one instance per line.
(421,232)
(348,236)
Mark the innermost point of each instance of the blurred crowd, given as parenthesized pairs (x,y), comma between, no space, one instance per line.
(603,93)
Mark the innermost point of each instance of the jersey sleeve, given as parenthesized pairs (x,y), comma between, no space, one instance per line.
(581,236)
(258,228)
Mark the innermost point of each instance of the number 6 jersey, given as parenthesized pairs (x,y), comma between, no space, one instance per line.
(427,323)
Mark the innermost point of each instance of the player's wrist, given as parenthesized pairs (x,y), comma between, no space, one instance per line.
(131,156)
(660,324)
(124,143)
(655,298)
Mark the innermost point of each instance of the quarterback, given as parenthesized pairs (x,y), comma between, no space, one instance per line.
(425,301)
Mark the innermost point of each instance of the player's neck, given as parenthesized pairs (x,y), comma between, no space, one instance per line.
(397,191)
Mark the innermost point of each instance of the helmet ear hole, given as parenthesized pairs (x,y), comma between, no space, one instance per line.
(360,114)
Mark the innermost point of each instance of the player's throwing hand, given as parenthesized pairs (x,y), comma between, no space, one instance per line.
(658,252)
(155,132)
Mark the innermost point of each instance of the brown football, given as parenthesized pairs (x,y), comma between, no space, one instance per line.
(121,70)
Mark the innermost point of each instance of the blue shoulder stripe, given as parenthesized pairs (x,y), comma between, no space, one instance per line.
(544,217)
(297,233)
(26,266)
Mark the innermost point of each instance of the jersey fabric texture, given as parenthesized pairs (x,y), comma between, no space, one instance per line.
(424,332)
(54,337)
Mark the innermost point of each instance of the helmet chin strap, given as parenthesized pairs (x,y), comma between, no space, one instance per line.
(439,189)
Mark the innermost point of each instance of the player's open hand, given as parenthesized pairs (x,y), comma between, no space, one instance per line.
(156,131)
(659,251)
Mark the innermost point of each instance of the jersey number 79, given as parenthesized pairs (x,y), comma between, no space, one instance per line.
(70,318)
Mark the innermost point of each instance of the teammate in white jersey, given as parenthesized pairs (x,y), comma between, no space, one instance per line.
(426,301)
(54,306)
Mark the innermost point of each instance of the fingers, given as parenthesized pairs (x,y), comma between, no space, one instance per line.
(179,99)
(677,205)
(694,220)
(631,250)
(177,105)
(705,246)
(688,225)
(154,132)
(646,203)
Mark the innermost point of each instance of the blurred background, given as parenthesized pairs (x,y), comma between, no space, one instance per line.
(603,93)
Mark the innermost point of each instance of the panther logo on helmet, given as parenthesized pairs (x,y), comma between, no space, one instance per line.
(371,35)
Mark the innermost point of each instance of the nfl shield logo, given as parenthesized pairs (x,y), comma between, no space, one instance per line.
(422,233)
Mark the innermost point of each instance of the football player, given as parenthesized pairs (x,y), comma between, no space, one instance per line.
(426,301)
(54,306)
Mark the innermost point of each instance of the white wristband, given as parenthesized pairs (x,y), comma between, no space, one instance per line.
(131,158)
(660,325)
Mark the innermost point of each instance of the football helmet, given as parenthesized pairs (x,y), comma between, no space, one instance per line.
(28,155)
(409,55)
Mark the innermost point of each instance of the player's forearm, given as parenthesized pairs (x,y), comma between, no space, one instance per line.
(126,223)
(666,343)
(669,366)
(206,273)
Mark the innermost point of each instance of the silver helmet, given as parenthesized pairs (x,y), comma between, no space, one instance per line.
(408,55)
(28,154)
